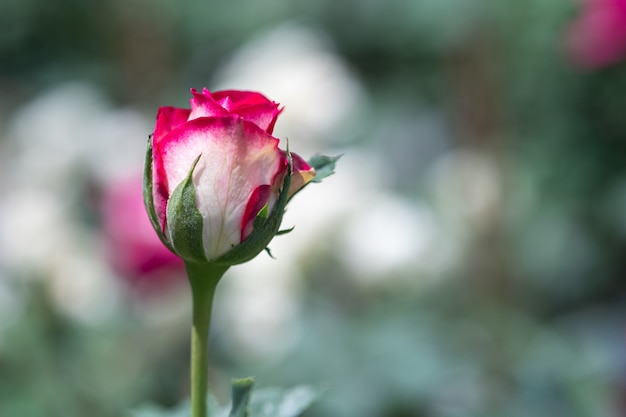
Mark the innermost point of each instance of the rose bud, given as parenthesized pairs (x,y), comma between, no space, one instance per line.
(215,182)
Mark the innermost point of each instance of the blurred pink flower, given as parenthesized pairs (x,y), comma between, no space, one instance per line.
(597,38)
(133,248)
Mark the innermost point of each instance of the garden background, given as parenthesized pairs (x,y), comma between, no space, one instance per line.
(466,259)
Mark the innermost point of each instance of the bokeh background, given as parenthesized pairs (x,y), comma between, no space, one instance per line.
(467,258)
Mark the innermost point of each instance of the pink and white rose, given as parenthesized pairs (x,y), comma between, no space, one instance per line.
(216,181)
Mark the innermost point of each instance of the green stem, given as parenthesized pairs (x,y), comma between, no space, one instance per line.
(203,279)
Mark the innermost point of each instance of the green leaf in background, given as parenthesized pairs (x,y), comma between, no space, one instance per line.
(242,389)
(324,166)
(277,402)
(266,402)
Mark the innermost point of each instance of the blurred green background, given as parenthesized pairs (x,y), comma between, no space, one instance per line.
(467,259)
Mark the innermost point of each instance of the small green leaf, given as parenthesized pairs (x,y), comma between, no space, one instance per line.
(148,196)
(324,166)
(185,221)
(241,391)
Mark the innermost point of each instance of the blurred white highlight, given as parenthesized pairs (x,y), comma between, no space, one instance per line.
(62,139)
(295,66)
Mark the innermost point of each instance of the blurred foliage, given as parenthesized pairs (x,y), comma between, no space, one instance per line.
(267,402)
(55,367)
(529,321)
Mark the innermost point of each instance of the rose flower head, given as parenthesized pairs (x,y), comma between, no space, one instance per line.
(215,182)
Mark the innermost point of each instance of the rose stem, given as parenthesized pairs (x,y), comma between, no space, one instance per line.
(203,279)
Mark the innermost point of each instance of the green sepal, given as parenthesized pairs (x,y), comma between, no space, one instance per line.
(261,216)
(241,392)
(148,196)
(184,220)
(324,166)
(263,232)
(285,231)
(269,252)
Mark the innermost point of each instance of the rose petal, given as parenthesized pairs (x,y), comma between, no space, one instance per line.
(203,105)
(260,197)
(263,115)
(241,98)
(251,106)
(169,118)
(237,158)
(302,173)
